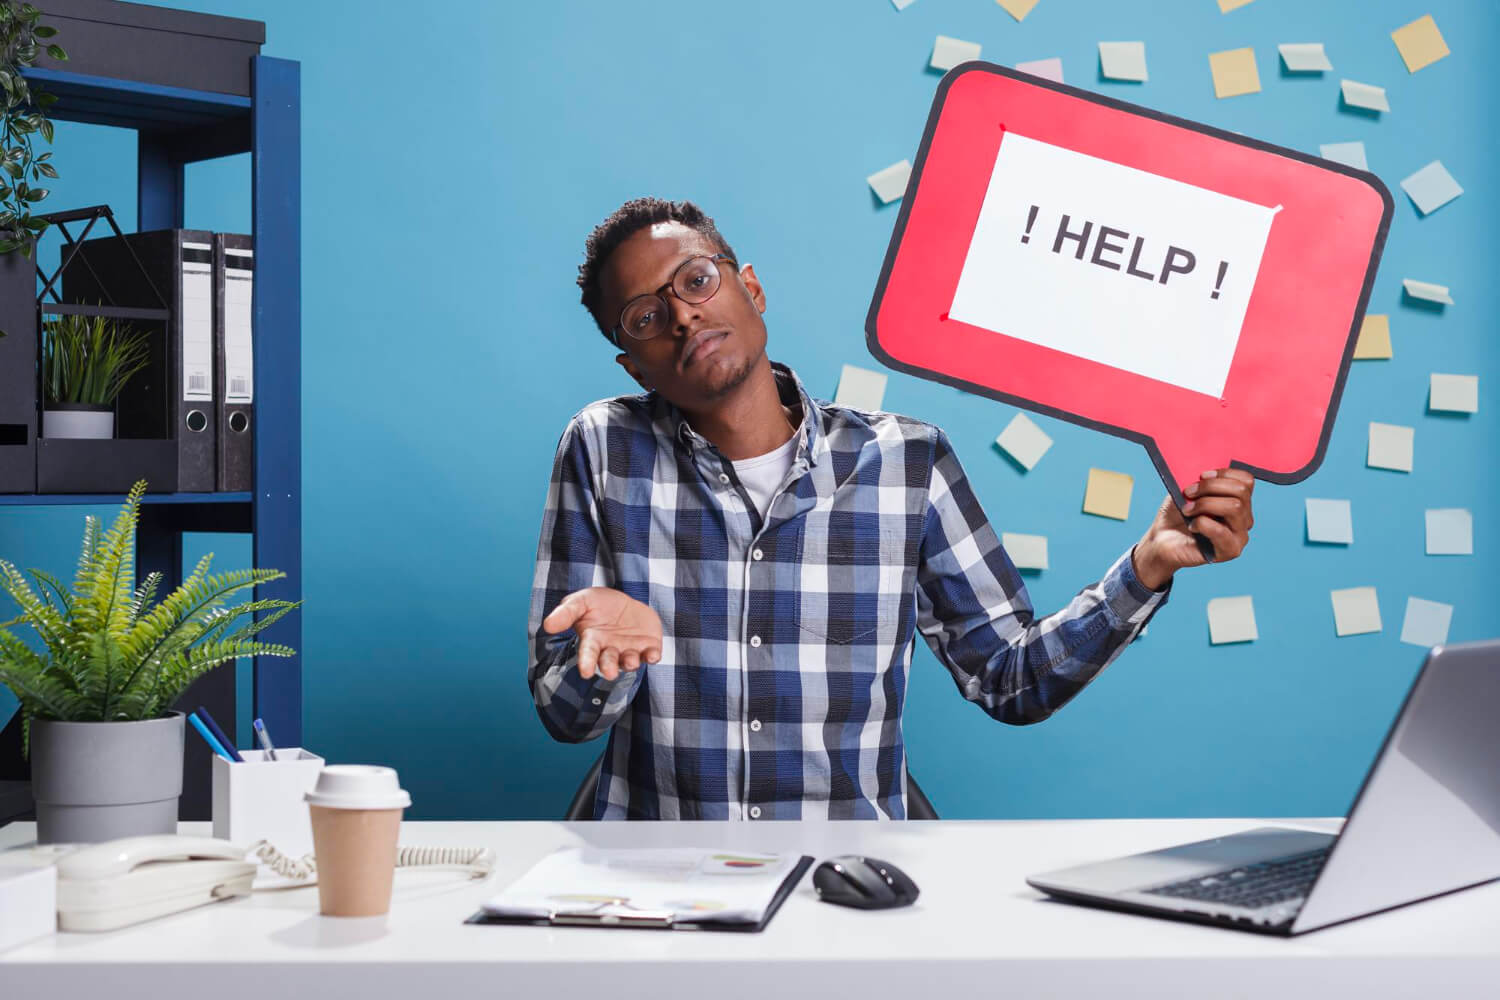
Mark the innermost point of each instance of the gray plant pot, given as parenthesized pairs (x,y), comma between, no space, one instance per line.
(78,420)
(96,781)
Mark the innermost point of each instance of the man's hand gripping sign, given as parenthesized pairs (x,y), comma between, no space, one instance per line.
(1147,276)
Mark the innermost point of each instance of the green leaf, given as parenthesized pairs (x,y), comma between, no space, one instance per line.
(56,52)
(8,246)
(45,31)
(37,194)
(46,128)
(46,100)
(4,191)
(46,170)
(13,168)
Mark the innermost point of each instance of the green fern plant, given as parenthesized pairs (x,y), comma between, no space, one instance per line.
(109,654)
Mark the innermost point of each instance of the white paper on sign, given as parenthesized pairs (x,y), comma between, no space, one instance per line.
(1126,268)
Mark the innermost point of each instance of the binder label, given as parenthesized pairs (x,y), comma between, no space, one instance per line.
(239,354)
(197,323)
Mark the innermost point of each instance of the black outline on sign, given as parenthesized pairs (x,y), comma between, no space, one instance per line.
(872,340)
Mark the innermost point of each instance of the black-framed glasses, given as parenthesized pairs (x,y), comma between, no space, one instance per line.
(695,281)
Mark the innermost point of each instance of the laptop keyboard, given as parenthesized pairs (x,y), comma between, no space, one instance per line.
(1265,883)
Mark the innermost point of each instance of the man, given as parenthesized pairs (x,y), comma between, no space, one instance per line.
(731,575)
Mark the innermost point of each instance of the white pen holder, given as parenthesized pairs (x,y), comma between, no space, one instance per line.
(261,799)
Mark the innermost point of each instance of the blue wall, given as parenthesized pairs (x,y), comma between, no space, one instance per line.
(451,170)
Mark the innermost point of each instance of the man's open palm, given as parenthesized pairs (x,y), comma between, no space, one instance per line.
(615,631)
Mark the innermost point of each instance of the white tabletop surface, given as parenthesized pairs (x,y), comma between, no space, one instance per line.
(977,928)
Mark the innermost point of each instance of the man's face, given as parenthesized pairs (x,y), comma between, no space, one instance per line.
(709,348)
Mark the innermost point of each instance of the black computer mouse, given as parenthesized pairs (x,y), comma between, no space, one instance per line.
(866,883)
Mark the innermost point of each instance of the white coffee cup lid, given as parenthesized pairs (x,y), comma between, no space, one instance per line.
(358,786)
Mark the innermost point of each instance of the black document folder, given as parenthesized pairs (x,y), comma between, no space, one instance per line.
(173,397)
(658,922)
(234,360)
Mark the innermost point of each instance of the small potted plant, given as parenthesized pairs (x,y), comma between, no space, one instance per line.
(106,748)
(85,363)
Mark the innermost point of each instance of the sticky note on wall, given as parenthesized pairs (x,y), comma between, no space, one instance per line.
(1330,522)
(1025,551)
(1231,619)
(1374,339)
(949,52)
(1024,441)
(1450,532)
(1108,494)
(890,183)
(1454,393)
(1123,60)
(1391,447)
(1234,72)
(860,388)
(1356,611)
(1426,622)
(1420,43)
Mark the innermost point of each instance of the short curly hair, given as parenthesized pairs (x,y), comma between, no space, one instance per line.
(623,223)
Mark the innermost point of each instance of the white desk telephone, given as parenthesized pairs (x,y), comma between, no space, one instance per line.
(104,886)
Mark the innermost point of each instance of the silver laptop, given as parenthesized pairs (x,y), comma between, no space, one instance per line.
(1426,822)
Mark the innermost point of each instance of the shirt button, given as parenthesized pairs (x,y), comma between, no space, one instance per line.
(723,477)
(755,725)
(755,812)
(756,555)
(598,702)
(755,641)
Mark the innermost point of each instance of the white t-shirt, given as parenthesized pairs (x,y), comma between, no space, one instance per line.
(764,474)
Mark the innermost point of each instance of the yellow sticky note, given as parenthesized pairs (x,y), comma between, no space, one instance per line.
(1234,72)
(1018,9)
(1225,6)
(1108,494)
(1374,339)
(1420,43)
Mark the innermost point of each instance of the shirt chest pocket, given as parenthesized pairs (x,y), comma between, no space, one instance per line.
(854,589)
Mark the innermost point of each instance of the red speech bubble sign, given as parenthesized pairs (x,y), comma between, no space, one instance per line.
(1144,275)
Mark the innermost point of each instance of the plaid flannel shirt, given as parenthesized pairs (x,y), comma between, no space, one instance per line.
(786,642)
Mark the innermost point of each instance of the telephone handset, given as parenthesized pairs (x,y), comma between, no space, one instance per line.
(104,886)
(123,882)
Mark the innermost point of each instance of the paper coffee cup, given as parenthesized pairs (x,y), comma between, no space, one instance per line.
(356,823)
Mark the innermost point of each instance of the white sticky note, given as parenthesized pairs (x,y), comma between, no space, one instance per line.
(1304,57)
(1231,619)
(1026,551)
(1118,312)
(1431,188)
(949,52)
(1426,622)
(1329,521)
(860,388)
(1450,532)
(1356,611)
(1123,60)
(902,4)
(1454,393)
(1391,447)
(1364,95)
(890,183)
(1024,441)
(1350,154)
(1017,9)
(1047,69)
(1426,290)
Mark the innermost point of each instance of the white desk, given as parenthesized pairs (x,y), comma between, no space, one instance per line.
(977,929)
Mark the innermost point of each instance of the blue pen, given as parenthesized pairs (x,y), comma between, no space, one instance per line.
(264,738)
(208,737)
(224,741)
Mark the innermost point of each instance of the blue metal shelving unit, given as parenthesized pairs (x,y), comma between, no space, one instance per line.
(176,127)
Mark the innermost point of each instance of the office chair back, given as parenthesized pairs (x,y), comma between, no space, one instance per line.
(582,806)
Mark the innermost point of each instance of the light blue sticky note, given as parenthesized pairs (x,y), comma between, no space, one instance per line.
(1431,188)
(1123,60)
(1426,622)
(1450,532)
(1350,154)
(1329,521)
